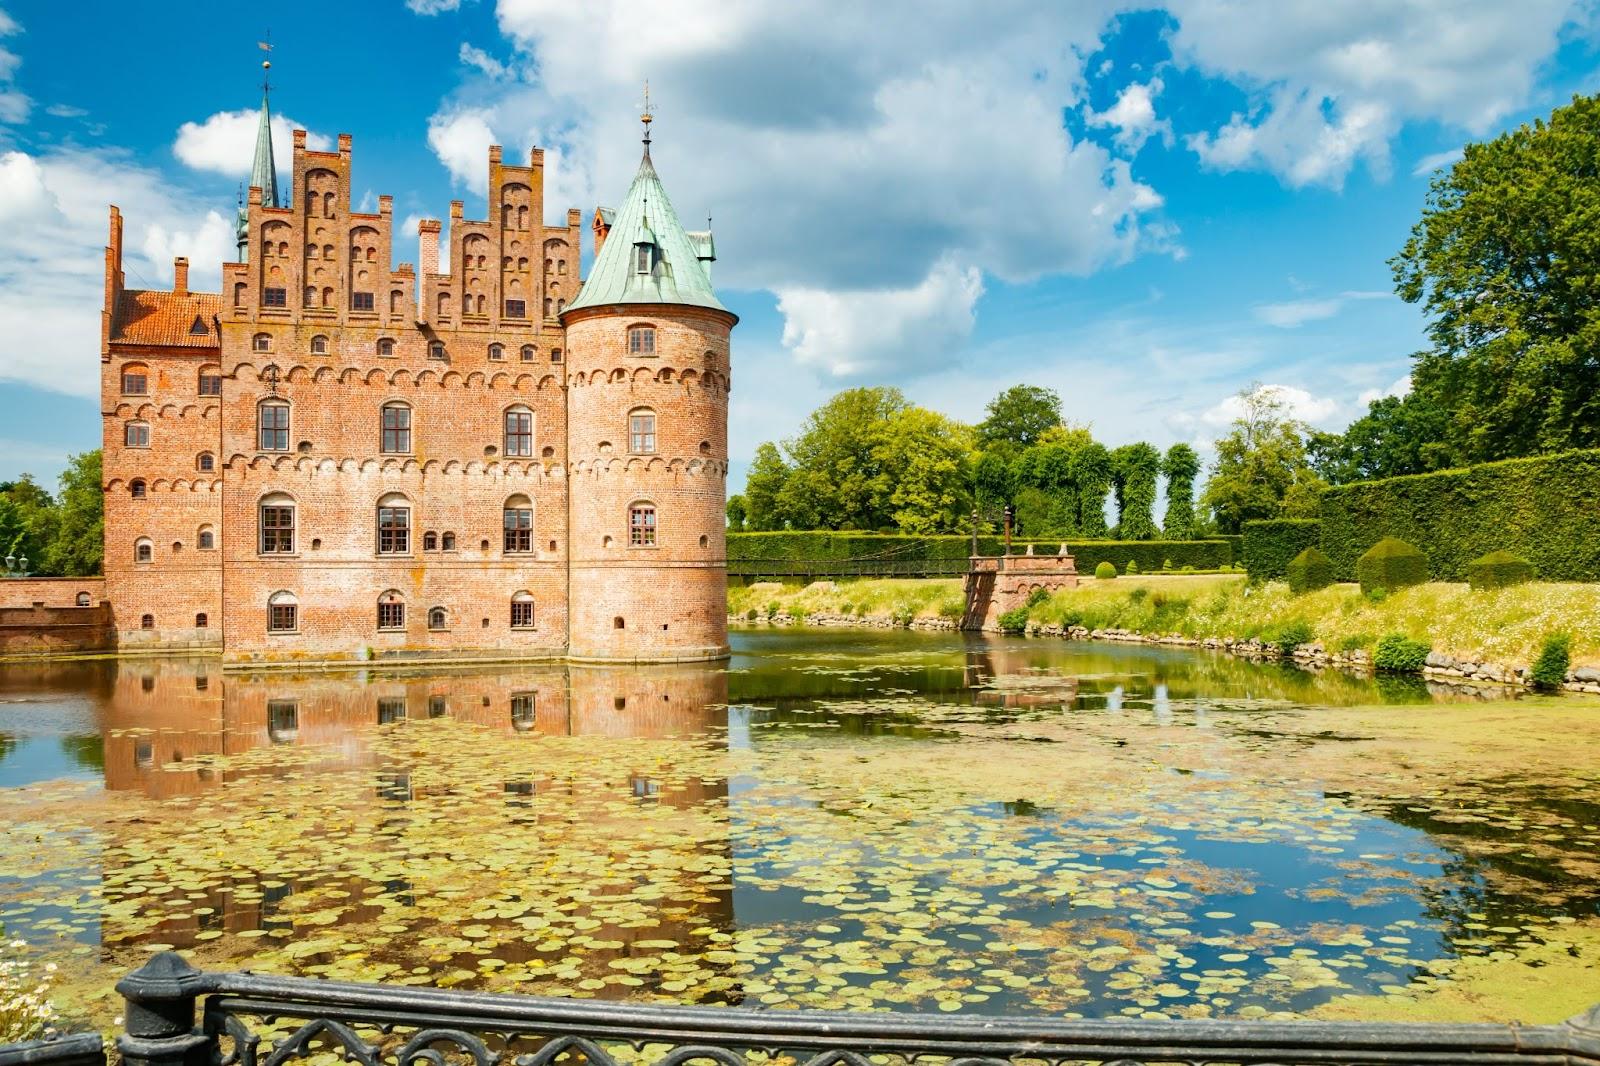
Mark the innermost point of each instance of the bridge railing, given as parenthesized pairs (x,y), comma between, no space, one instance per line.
(258,1020)
(77,1049)
(757,569)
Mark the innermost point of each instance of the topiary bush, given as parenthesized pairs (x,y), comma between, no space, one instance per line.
(807,554)
(1132,567)
(1391,564)
(1014,620)
(751,615)
(1105,571)
(1498,570)
(1549,671)
(1399,654)
(1309,571)
(1271,544)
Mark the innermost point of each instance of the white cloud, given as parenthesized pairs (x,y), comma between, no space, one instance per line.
(54,214)
(226,142)
(1133,116)
(1429,163)
(14,103)
(485,63)
(1399,387)
(1336,79)
(1300,403)
(872,331)
(461,140)
(1292,314)
(433,7)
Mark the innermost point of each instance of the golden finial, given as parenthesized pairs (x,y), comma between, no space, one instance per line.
(646,116)
(266,64)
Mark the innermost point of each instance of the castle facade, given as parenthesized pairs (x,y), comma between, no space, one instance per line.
(340,459)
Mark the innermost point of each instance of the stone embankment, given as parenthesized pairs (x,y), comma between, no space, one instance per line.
(1440,667)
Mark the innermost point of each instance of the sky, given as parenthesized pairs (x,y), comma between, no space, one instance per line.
(1146,209)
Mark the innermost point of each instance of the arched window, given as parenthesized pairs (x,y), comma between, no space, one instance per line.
(206,539)
(276,520)
(319,345)
(283,613)
(272,426)
(200,620)
(396,301)
(448,542)
(642,524)
(210,381)
(386,347)
(396,429)
(147,621)
(136,434)
(519,431)
(391,610)
(144,550)
(529,353)
(136,488)
(261,342)
(310,299)
(497,352)
(642,431)
(205,462)
(522,610)
(519,524)
(549,306)
(436,618)
(436,350)
(394,525)
(641,340)
(83,599)
(430,541)
(135,380)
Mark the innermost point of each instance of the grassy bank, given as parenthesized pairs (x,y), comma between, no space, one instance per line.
(1504,626)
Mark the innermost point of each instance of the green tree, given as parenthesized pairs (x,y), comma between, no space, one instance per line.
(28,522)
(1506,262)
(78,547)
(926,458)
(1396,436)
(1135,468)
(1092,474)
(1021,415)
(1179,467)
(763,487)
(736,512)
(836,447)
(1262,468)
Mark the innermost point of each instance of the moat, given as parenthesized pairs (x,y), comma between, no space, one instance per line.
(874,820)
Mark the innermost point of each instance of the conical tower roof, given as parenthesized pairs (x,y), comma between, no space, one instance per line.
(263,174)
(677,275)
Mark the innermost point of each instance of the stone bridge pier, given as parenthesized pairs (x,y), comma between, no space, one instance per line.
(1000,583)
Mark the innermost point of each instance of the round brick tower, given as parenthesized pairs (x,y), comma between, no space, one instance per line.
(648,376)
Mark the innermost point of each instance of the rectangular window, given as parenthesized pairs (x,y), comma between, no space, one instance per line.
(136,435)
(519,529)
(211,384)
(277,530)
(519,432)
(642,258)
(641,341)
(391,616)
(396,428)
(516,309)
(642,433)
(275,297)
(394,531)
(522,708)
(641,526)
(134,384)
(361,301)
(273,427)
(521,614)
(438,707)
(281,618)
(391,710)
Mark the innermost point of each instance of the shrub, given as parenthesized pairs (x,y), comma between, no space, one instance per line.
(1132,567)
(903,616)
(1104,571)
(1354,641)
(1391,564)
(954,610)
(751,615)
(1014,620)
(1290,635)
(1498,570)
(1038,596)
(799,614)
(1138,594)
(1399,654)
(1166,564)
(1549,671)
(1309,571)
(772,610)
(1269,546)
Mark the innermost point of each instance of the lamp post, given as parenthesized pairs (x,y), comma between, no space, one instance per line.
(16,567)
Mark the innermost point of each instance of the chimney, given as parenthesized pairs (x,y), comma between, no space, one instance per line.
(428,245)
(180,275)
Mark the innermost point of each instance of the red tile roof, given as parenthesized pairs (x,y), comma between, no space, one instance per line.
(167,319)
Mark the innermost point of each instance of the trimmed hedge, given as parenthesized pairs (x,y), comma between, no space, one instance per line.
(1105,571)
(791,551)
(1271,544)
(1309,571)
(1498,570)
(1391,564)
(1542,509)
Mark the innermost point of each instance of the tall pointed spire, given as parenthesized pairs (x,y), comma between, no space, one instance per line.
(264,171)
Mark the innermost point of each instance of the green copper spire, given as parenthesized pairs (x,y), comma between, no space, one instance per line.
(264,172)
(648,258)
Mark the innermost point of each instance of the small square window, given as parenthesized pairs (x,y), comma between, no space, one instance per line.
(210,384)
(516,309)
(281,618)
(134,383)
(391,615)
(361,301)
(275,297)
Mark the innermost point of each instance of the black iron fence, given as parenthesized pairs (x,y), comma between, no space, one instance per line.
(179,1016)
(765,569)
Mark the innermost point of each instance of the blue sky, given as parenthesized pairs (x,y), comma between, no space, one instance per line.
(1146,209)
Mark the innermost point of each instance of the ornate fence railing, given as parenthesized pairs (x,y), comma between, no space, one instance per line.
(256,1020)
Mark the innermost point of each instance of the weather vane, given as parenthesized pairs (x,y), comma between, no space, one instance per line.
(647,116)
(266,64)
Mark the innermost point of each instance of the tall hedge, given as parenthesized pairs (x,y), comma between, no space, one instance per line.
(1271,544)
(747,551)
(1543,509)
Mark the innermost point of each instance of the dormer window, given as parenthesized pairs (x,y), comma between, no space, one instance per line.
(644,257)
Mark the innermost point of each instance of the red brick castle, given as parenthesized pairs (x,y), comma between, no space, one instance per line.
(339,459)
